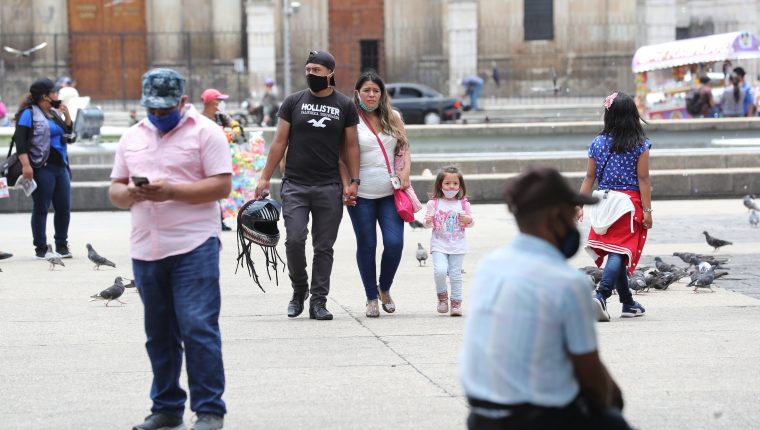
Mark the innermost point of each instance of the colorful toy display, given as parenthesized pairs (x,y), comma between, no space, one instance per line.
(247,161)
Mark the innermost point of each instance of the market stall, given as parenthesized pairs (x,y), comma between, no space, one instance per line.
(667,72)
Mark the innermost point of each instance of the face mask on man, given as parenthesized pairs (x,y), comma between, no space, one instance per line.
(166,122)
(317,83)
(221,106)
(569,244)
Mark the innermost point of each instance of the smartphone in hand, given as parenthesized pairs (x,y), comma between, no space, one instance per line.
(140,180)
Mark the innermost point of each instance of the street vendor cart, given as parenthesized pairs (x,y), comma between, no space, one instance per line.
(667,72)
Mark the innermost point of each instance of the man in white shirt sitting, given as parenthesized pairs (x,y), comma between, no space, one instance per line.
(530,359)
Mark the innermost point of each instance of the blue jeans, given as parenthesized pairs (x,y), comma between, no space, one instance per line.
(181,298)
(53,186)
(615,276)
(451,265)
(364,217)
(474,94)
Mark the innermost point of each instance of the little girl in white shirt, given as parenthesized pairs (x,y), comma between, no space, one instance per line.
(448,213)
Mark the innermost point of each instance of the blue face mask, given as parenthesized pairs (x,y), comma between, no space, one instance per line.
(366,108)
(166,122)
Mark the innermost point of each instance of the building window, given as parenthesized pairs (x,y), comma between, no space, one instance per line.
(538,19)
(369,55)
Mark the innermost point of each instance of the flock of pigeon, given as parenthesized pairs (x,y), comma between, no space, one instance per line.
(704,266)
(109,294)
(663,275)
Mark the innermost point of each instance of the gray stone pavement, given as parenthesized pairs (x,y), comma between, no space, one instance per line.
(693,362)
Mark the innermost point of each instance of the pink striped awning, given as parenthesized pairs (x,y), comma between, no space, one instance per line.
(708,49)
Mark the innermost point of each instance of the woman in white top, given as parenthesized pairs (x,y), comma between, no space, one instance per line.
(379,123)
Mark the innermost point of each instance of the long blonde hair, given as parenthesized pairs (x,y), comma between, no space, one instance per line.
(390,122)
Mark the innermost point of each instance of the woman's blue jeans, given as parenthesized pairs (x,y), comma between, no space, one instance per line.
(616,276)
(53,186)
(365,216)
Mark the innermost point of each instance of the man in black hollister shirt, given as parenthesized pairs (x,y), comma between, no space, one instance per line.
(318,128)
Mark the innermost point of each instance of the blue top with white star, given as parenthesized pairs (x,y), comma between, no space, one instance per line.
(620,173)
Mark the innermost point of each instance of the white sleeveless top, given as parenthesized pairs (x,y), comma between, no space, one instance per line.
(373,172)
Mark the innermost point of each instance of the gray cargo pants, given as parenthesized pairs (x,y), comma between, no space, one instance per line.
(325,204)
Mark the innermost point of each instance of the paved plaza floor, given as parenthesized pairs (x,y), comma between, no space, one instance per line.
(693,362)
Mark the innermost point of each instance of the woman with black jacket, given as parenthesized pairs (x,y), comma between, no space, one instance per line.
(41,137)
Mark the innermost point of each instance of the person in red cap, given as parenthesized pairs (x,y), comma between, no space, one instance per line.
(212,99)
(213,109)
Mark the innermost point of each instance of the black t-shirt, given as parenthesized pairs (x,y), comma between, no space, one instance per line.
(317,126)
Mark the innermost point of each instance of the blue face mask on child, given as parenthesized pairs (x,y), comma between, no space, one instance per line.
(166,122)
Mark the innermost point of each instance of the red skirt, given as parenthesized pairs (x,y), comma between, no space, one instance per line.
(619,239)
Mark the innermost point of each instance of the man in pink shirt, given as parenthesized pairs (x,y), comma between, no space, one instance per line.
(170,170)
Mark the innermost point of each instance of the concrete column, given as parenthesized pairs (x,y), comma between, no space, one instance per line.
(657,22)
(462,28)
(261,35)
(162,18)
(49,18)
(226,25)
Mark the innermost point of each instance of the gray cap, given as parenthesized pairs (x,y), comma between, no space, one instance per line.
(162,88)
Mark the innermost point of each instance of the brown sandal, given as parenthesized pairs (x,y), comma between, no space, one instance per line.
(385,298)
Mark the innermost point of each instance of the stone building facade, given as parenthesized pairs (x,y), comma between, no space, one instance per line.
(537,47)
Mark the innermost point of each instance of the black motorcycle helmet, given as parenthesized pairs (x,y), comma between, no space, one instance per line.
(257,223)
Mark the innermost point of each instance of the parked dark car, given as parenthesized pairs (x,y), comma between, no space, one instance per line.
(420,104)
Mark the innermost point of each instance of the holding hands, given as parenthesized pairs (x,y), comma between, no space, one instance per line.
(349,194)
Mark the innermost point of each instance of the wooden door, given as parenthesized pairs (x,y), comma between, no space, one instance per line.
(107,47)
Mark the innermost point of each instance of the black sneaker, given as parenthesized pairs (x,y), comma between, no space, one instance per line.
(159,421)
(39,253)
(4,255)
(63,250)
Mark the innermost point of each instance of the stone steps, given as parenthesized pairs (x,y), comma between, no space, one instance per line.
(481,187)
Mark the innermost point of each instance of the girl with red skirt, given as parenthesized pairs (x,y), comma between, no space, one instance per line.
(618,159)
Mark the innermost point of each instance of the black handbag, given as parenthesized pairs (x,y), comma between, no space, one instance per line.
(11,168)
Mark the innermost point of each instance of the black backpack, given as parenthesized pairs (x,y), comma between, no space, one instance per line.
(694,103)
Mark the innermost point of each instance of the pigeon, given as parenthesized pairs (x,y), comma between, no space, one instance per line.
(53,258)
(638,282)
(753,218)
(685,256)
(749,202)
(715,242)
(27,53)
(422,254)
(594,273)
(663,266)
(111,293)
(714,262)
(704,280)
(97,259)
(663,280)
(414,224)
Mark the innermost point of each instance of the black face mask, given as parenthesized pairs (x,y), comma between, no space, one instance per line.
(569,244)
(317,83)
(55,104)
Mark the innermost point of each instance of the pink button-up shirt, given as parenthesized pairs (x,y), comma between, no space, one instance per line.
(195,149)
